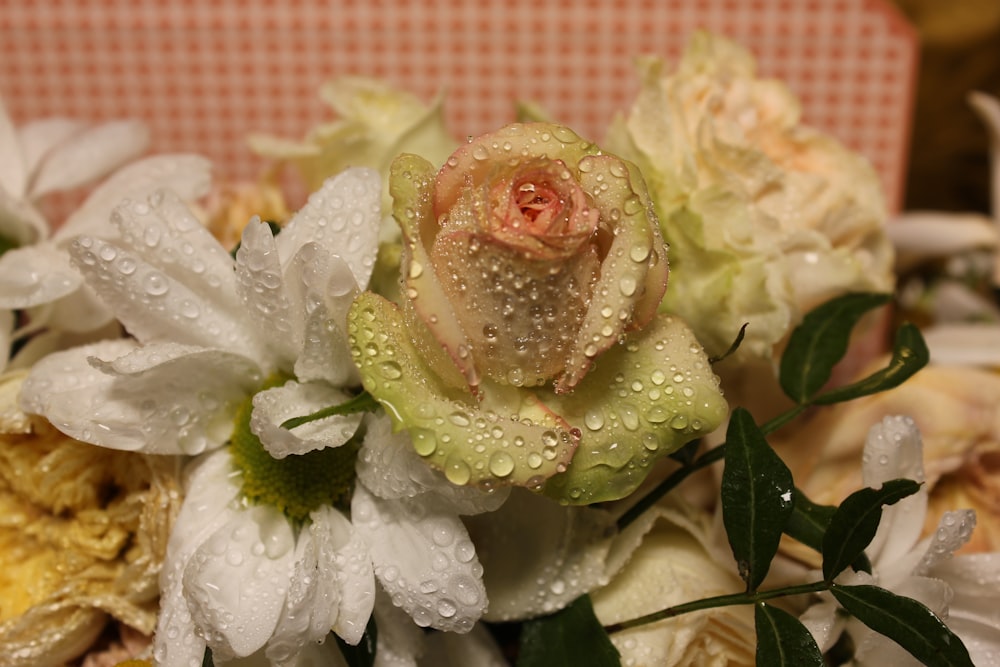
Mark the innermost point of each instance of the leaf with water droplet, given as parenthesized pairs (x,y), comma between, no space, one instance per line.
(808,523)
(567,638)
(909,355)
(907,622)
(820,341)
(782,640)
(853,525)
(756,497)
(646,398)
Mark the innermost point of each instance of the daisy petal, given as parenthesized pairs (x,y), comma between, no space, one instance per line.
(261,288)
(423,558)
(35,274)
(311,601)
(236,579)
(447,649)
(153,305)
(160,399)
(953,531)
(207,507)
(20,222)
(187,176)
(344,216)
(89,155)
(346,555)
(272,407)
(14,167)
(38,137)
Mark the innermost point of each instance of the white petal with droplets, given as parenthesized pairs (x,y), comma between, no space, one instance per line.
(33,275)
(153,305)
(575,540)
(344,217)
(400,641)
(208,505)
(236,581)
(89,155)
(311,602)
(274,406)
(160,399)
(187,176)
(447,649)
(390,468)
(261,288)
(346,560)
(423,558)
(952,532)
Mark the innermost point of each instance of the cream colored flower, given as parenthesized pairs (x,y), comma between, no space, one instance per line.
(83,534)
(231,205)
(681,557)
(766,217)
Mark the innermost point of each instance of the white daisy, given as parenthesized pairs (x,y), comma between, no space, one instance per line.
(263,556)
(960,589)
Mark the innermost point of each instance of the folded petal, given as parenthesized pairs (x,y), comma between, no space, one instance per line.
(235,582)
(89,155)
(575,541)
(160,399)
(36,274)
(208,505)
(187,176)
(447,649)
(39,137)
(272,407)
(344,217)
(424,560)
(348,562)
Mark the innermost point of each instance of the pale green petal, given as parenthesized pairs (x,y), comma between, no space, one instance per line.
(450,429)
(666,396)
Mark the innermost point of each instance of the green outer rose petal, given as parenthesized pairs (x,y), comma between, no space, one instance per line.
(642,400)
(449,429)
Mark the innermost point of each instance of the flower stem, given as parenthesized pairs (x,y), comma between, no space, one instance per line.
(719,601)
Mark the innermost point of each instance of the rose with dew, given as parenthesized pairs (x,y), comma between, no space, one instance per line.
(528,349)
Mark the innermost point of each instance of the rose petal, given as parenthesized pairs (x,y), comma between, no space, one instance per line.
(164,399)
(187,176)
(207,507)
(389,468)
(235,581)
(575,542)
(472,445)
(424,560)
(89,155)
(344,217)
(272,407)
(668,396)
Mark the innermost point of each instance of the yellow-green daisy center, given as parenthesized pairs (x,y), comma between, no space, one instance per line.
(298,483)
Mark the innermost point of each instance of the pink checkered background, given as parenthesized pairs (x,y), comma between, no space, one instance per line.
(204,74)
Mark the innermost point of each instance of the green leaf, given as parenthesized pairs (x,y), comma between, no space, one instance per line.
(909,355)
(820,341)
(567,638)
(756,497)
(808,524)
(362,655)
(853,525)
(782,640)
(905,621)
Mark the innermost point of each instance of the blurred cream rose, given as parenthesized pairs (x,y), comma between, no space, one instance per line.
(680,554)
(766,218)
(82,537)
(956,410)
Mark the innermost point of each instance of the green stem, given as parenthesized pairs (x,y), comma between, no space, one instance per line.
(719,601)
(363,402)
(773,425)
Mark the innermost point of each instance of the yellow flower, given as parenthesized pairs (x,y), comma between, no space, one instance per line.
(234,204)
(82,537)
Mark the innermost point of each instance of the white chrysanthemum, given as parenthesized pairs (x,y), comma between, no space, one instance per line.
(60,154)
(262,556)
(960,589)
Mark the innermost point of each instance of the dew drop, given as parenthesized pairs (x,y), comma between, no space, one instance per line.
(390,370)
(594,419)
(155,284)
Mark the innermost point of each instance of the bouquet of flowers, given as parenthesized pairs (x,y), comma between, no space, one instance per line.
(525,399)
